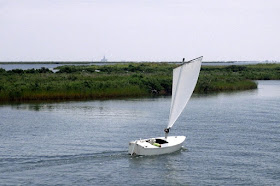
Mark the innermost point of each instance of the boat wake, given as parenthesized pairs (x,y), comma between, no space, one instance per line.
(33,162)
(184,149)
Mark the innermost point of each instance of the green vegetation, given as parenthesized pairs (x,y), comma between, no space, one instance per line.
(123,80)
(234,77)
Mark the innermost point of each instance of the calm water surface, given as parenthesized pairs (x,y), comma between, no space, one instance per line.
(35,66)
(232,138)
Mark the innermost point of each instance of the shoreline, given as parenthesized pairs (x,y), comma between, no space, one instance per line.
(121,62)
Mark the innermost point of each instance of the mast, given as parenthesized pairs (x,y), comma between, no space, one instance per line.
(166,130)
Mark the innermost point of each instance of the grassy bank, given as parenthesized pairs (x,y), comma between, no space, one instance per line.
(123,80)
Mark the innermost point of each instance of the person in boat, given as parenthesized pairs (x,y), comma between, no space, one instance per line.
(153,142)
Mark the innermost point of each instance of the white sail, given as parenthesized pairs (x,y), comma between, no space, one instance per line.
(184,81)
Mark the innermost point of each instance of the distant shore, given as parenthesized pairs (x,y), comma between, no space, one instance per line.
(120,62)
(44,62)
(123,80)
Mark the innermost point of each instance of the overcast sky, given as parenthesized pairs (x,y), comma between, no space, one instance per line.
(139,30)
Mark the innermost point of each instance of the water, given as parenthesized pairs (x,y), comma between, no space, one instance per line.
(232,138)
(35,66)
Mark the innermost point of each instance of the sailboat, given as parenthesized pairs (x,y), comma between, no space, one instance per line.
(185,77)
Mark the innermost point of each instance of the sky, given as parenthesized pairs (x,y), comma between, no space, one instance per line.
(139,30)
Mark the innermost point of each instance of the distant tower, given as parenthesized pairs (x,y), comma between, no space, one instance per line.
(104,59)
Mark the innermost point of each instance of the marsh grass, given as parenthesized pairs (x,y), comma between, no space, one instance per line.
(123,80)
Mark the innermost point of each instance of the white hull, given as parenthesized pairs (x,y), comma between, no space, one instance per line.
(145,148)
